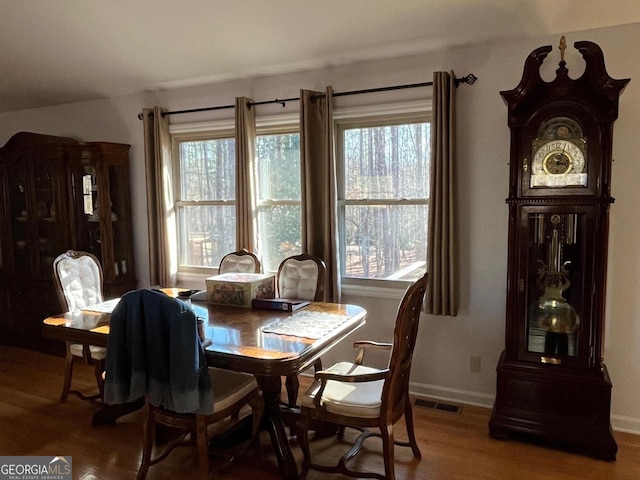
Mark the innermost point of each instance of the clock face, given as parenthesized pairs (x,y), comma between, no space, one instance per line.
(558,163)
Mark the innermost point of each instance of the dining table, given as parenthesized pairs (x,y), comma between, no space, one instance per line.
(269,344)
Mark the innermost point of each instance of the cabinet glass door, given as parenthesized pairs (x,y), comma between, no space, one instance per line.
(119,194)
(84,180)
(47,234)
(18,204)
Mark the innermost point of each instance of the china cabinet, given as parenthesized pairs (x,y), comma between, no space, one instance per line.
(552,383)
(58,194)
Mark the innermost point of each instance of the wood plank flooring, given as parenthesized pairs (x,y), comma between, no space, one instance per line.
(455,446)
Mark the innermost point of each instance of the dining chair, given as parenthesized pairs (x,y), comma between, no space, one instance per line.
(154,351)
(77,277)
(300,277)
(353,395)
(241,261)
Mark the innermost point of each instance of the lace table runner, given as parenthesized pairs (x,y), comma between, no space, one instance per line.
(306,324)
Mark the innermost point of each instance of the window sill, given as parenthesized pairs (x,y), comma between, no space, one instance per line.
(375,289)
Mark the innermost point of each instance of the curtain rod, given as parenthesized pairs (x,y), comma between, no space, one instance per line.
(469,79)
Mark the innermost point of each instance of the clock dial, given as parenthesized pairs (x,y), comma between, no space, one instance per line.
(558,163)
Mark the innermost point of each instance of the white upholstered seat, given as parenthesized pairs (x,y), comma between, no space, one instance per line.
(357,399)
(78,279)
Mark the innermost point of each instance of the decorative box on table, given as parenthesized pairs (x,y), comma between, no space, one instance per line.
(239,289)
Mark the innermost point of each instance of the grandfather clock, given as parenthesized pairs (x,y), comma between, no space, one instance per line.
(551,380)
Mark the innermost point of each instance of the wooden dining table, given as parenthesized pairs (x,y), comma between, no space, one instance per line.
(269,344)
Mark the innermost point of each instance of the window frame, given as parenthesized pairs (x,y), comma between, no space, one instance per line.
(371,117)
(223,133)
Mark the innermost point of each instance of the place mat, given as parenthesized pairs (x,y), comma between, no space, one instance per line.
(104,307)
(306,324)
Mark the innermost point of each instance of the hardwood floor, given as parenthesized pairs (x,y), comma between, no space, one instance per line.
(455,446)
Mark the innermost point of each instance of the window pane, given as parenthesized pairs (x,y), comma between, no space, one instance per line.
(279,234)
(207,169)
(278,197)
(387,162)
(278,165)
(207,233)
(386,242)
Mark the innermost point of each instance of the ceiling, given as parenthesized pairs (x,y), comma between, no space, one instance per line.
(62,51)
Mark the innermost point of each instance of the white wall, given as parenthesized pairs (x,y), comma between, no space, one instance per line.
(445,344)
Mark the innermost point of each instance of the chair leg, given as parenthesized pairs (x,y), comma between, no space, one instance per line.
(408,419)
(257,410)
(148,435)
(303,441)
(68,373)
(203,446)
(98,372)
(386,432)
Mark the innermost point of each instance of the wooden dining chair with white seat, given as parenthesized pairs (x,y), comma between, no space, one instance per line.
(300,277)
(352,395)
(78,279)
(241,261)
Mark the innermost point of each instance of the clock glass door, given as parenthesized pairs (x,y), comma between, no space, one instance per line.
(555,305)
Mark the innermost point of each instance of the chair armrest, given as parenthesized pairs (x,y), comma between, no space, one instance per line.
(325,375)
(363,345)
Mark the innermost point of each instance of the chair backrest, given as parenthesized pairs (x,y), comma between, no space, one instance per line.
(241,261)
(396,389)
(78,279)
(301,277)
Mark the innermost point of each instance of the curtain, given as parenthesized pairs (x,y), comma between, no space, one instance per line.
(245,161)
(163,253)
(442,258)
(318,188)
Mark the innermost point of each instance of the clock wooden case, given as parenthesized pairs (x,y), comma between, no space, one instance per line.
(552,383)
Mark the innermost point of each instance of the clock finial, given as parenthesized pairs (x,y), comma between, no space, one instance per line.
(562,47)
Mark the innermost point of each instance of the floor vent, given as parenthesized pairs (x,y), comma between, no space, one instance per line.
(445,407)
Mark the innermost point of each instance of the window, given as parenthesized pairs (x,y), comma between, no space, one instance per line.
(206,202)
(205,199)
(278,197)
(383,179)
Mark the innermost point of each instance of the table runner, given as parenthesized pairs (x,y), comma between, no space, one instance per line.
(306,324)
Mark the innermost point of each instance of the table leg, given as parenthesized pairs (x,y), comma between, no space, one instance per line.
(271,388)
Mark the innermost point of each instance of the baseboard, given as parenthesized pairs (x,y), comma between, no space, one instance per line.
(451,395)
(619,423)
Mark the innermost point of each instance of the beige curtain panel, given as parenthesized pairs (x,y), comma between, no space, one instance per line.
(163,254)
(442,256)
(318,187)
(245,122)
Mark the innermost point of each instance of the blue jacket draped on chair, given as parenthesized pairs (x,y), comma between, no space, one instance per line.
(154,350)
